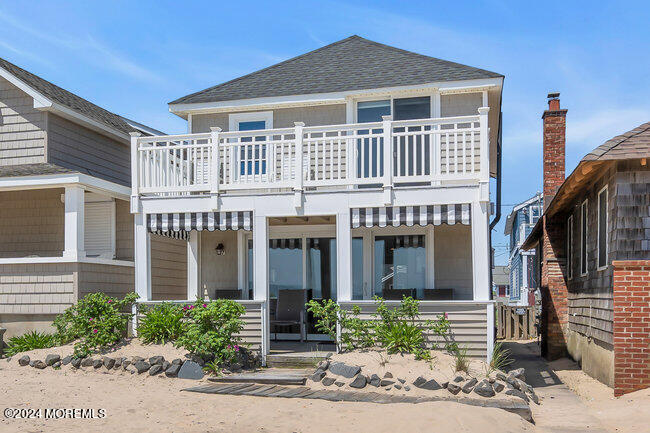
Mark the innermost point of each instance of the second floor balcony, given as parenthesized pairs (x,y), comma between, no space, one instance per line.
(422,152)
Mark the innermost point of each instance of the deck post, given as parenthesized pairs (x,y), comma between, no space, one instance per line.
(481,265)
(388,159)
(344,256)
(215,175)
(74,243)
(194,265)
(260,275)
(485,144)
(300,166)
(135,177)
(142,262)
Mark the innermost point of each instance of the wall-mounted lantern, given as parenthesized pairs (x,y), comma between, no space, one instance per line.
(220,250)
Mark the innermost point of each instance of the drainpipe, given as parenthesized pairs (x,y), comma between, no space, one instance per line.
(497,215)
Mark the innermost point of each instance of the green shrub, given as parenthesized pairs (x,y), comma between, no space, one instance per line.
(97,321)
(396,329)
(161,323)
(211,328)
(30,341)
(355,332)
(442,328)
(500,358)
(461,359)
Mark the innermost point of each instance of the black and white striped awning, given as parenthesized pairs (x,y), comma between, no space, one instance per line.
(410,215)
(179,222)
(181,234)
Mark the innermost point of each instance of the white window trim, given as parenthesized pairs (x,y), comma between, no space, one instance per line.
(569,241)
(600,268)
(584,237)
(254,116)
(109,255)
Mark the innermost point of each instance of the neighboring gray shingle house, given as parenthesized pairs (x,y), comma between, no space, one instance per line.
(65,182)
(593,255)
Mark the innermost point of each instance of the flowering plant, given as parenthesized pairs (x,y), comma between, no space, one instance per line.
(96,321)
(212,328)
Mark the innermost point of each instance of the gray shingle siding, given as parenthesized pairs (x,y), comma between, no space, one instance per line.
(354,63)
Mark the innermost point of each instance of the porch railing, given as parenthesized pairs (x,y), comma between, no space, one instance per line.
(422,150)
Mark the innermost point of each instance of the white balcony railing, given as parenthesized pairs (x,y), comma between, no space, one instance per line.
(423,150)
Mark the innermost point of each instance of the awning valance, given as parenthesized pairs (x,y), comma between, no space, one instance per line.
(411,215)
(179,222)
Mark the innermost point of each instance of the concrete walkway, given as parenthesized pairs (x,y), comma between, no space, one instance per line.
(560,410)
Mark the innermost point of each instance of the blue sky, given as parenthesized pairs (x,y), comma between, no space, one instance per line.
(132,57)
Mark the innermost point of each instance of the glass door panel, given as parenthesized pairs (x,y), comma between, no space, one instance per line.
(321,268)
(400,266)
(285,265)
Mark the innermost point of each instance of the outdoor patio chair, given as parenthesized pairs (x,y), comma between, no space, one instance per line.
(227,294)
(438,294)
(290,310)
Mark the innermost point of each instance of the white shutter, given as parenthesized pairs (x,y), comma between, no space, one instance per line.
(99,228)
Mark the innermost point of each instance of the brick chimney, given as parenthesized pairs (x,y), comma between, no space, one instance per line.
(555,317)
(554,147)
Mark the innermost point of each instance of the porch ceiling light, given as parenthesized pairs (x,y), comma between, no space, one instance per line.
(220,250)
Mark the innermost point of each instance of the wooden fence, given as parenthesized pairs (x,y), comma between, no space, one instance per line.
(516,323)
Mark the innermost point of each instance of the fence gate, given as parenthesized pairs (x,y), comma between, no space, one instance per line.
(516,323)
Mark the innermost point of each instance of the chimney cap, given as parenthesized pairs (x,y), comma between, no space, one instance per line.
(553,95)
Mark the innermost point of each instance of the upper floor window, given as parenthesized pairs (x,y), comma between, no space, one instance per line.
(252,157)
(412,108)
(602,228)
(569,247)
(583,237)
(372,111)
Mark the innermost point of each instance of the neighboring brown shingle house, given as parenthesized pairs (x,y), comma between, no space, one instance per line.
(593,245)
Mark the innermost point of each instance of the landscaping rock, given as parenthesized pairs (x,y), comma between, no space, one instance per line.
(339,383)
(519,373)
(513,382)
(87,362)
(172,371)
(155,369)
(419,381)
(76,362)
(445,384)
(56,364)
(484,389)
(51,359)
(453,388)
(407,388)
(341,369)
(374,380)
(491,379)
(156,360)
(386,382)
(125,364)
(165,365)
(324,364)
(459,378)
(402,381)
(177,361)
(318,375)
(517,393)
(67,360)
(197,360)
(97,363)
(109,362)
(31,363)
(359,381)
(501,376)
(388,388)
(398,386)
(135,359)
(498,386)
(388,375)
(40,365)
(190,370)
(141,366)
(118,362)
(328,381)
(534,397)
(430,385)
(469,385)
(23,360)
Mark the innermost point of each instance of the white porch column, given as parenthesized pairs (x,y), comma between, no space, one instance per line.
(142,258)
(74,222)
(194,265)
(343,256)
(481,251)
(261,277)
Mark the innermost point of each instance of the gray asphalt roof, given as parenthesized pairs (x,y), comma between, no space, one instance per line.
(353,63)
(33,170)
(67,99)
(629,145)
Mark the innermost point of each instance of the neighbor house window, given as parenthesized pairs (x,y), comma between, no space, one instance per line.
(569,247)
(602,228)
(583,238)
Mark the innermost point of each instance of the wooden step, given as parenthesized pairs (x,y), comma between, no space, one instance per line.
(295,360)
(268,377)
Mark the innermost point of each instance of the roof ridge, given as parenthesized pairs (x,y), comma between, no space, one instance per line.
(33,76)
(627,136)
(267,68)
